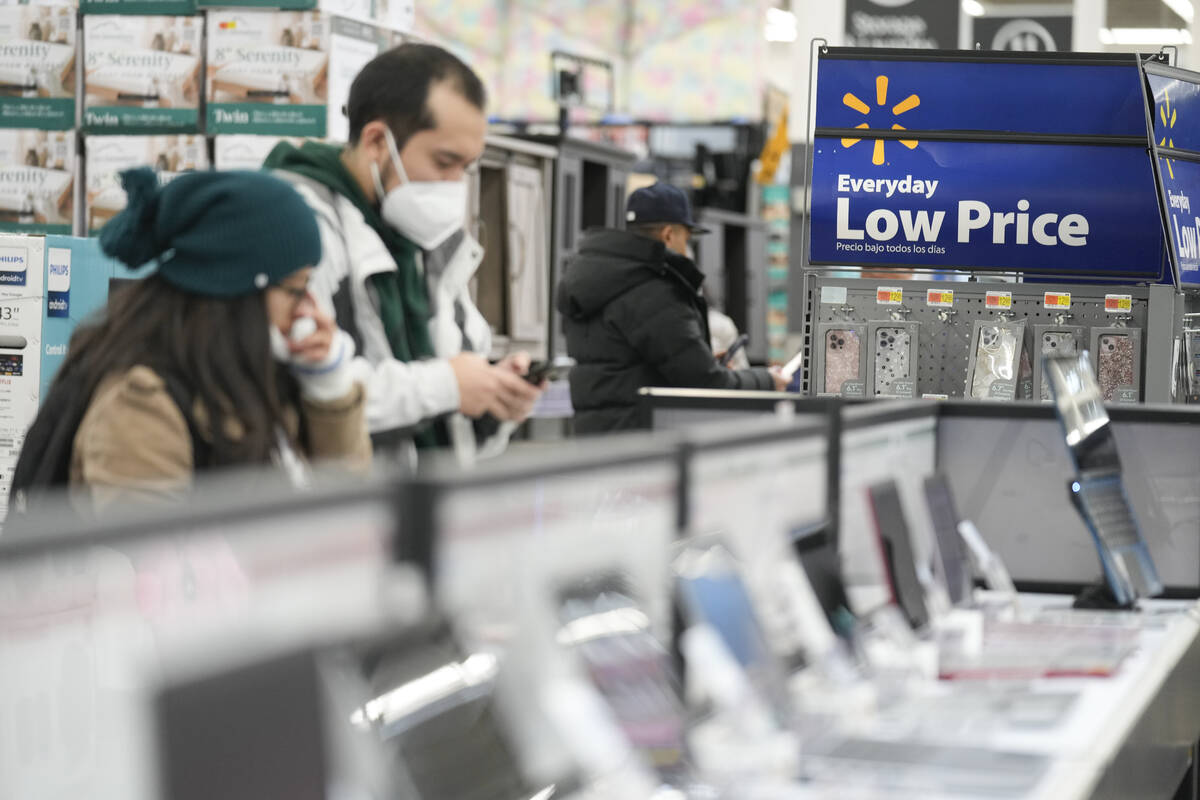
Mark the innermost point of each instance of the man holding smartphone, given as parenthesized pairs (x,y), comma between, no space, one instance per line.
(397,263)
(634,315)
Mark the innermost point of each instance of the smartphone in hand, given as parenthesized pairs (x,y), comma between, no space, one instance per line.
(554,370)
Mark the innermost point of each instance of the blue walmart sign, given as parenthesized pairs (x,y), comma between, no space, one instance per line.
(966,95)
(1175,112)
(982,165)
(1042,208)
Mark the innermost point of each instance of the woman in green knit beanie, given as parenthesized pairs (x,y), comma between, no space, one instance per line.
(218,358)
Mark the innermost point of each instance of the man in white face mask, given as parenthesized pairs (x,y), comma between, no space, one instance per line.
(397,262)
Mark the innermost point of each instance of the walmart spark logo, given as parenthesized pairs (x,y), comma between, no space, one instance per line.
(1167,114)
(881,92)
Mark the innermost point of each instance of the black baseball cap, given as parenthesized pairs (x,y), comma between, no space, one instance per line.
(659,204)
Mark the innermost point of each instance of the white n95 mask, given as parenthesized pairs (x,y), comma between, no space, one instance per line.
(426,213)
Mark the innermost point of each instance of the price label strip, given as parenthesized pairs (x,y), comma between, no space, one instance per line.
(1057,301)
(1118,303)
(889,296)
(999,301)
(939,298)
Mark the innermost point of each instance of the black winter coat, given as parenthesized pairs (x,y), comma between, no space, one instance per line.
(634,317)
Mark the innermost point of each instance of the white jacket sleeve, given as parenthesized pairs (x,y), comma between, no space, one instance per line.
(399,394)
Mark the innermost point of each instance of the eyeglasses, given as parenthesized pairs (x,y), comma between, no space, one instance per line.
(297,293)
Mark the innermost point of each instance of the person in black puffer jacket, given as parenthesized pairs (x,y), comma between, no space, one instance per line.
(634,315)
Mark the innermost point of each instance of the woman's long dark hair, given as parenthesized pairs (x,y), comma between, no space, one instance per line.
(218,348)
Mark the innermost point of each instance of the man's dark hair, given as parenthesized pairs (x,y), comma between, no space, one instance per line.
(394,86)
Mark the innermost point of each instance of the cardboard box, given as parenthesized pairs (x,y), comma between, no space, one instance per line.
(352,45)
(362,10)
(398,15)
(107,156)
(268,72)
(138,7)
(37,181)
(77,277)
(245,152)
(285,5)
(37,67)
(21,265)
(142,74)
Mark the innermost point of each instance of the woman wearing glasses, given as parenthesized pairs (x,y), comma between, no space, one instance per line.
(219,358)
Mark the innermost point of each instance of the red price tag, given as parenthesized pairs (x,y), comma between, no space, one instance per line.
(999,300)
(1058,301)
(1118,303)
(939,298)
(889,296)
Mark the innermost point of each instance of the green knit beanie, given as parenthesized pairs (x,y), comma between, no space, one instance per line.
(221,234)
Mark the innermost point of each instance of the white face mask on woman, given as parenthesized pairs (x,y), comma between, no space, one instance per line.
(426,213)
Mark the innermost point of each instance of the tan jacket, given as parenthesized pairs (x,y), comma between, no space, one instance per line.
(134,443)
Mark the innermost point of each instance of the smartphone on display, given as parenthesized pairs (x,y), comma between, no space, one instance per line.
(842,348)
(554,370)
(1115,362)
(891,359)
(712,591)
(895,543)
(602,623)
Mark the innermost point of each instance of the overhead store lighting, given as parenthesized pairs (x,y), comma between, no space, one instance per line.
(1183,8)
(1147,36)
(972,8)
(781,26)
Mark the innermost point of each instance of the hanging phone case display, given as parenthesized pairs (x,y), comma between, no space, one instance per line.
(21,259)
(1052,340)
(1025,375)
(892,358)
(993,368)
(841,367)
(268,72)
(142,74)
(37,184)
(1191,361)
(1117,357)
(107,156)
(37,67)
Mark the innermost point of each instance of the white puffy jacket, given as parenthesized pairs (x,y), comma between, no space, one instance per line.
(400,395)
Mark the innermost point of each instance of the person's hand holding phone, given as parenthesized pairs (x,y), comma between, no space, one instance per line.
(498,389)
(726,356)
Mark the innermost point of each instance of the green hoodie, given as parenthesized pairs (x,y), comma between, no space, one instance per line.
(403,296)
